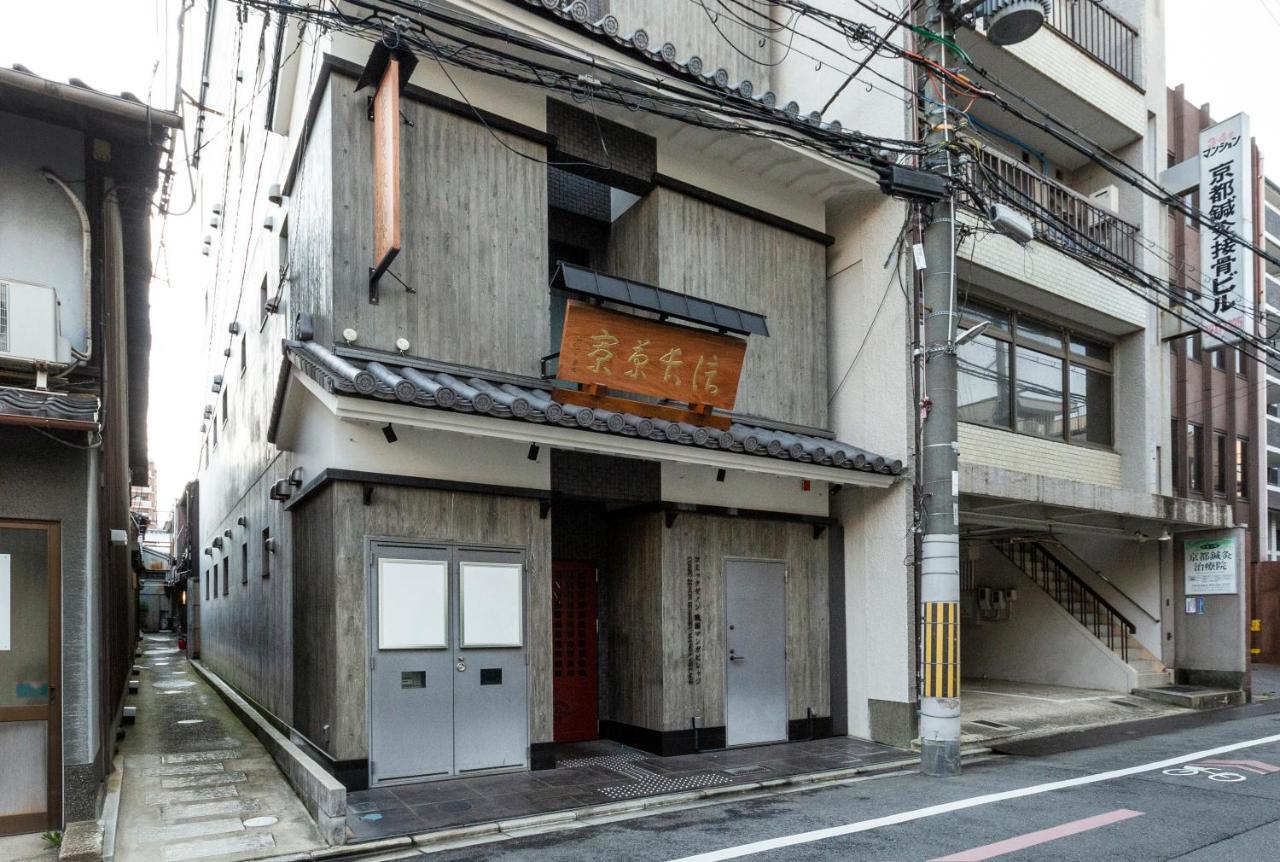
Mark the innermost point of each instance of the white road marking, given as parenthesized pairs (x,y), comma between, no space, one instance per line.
(1044,699)
(961,804)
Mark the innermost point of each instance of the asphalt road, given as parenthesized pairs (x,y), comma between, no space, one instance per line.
(1120,803)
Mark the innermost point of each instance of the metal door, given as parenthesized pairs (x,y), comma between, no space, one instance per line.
(411,668)
(30,651)
(573,646)
(490,709)
(756,672)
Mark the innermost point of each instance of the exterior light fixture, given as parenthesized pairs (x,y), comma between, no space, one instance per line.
(275,194)
(1012,21)
(533,452)
(971,333)
(389,433)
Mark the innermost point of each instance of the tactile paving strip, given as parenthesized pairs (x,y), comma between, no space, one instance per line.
(646,783)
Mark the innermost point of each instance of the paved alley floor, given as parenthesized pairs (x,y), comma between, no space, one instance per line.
(197,784)
(27,848)
(1266,681)
(994,709)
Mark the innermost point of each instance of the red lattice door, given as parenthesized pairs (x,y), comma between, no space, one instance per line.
(573,637)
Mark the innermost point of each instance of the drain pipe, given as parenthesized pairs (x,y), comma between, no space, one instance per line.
(86,265)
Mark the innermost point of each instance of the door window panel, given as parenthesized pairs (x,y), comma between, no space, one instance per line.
(24,618)
(413,604)
(1090,419)
(491,602)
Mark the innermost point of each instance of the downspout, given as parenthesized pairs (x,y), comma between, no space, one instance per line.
(86,265)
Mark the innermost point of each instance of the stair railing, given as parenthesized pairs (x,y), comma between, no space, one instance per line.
(1067,589)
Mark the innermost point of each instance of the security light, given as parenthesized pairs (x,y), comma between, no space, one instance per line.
(971,333)
(389,433)
(533,452)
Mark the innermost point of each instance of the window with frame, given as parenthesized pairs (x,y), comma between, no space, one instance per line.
(1193,347)
(266,552)
(1174,461)
(1219,462)
(244,563)
(215,581)
(226,576)
(1242,466)
(1035,377)
(1195,456)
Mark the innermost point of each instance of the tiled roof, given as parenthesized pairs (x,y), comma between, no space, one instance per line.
(640,41)
(56,406)
(465,392)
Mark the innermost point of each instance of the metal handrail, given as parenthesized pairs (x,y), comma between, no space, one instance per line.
(1098,574)
(1102,227)
(1069,591)
(1100,33)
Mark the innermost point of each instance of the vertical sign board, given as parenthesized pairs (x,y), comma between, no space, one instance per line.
(1210,567)
(386,172)
(1226,200)
(5,604)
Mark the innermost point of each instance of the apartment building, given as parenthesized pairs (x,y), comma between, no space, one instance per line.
(454,486)
(77,168)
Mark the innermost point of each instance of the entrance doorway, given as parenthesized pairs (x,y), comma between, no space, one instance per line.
(30,651)
(756,672)
(448,692)
(574,651)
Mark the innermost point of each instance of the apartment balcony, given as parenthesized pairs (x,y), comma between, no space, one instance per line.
(1045,274)
(1085,66)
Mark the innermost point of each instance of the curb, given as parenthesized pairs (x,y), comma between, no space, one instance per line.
(461,836)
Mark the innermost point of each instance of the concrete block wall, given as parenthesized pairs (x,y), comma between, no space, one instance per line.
(1026,454)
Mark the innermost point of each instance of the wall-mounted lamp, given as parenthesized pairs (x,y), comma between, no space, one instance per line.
(217,542)
(295,477)
(533,452)
(720,475)
(389,433)
(217,383)
(242,521)
(280,490)
(227,533)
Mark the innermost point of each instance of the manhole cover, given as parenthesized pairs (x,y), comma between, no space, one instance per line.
(744,770)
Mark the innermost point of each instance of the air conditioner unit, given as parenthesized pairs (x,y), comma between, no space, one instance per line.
(29,330)
(1107,197)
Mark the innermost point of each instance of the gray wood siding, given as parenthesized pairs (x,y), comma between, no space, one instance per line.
(713,539)
(434,516)
(246,634)
(633,674)
(712,35)
(633,250)
(315,617)
(714,254)
(474,238)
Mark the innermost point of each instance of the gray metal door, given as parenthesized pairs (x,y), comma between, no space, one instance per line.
(491,714)
(756,672)
(412,668)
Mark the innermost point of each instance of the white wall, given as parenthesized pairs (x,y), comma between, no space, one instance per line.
(40,232)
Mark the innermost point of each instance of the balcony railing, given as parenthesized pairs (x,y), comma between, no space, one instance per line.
(1103,228)
(1273,221)
(1100,33)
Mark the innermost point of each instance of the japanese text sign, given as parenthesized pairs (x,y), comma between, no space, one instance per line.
(649,357)
(1226,200)
(1210,567)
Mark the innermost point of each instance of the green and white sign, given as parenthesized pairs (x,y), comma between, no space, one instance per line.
(1210,567)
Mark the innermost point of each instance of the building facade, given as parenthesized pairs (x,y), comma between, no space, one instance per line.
(77,169)
(400,451)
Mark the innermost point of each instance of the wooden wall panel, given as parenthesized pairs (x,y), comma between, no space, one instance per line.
(315,636)
(633,243)
(714,254)
(633,677)
(434,516)
(713,539)
(474,239)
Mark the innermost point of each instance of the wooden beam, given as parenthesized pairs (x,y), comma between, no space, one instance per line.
(386,174)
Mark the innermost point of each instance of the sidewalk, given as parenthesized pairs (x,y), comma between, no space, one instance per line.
(197,784)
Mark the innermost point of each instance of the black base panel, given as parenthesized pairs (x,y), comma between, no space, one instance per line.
(542,755)
(663,743)
(818,727)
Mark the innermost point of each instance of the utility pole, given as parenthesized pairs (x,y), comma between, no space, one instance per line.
(940,557)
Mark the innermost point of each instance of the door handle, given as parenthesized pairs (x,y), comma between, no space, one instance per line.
(462,666)
(733,657)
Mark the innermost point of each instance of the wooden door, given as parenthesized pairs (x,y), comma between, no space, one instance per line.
(573,635)
(30,657)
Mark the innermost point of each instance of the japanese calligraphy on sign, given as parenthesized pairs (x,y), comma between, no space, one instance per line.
(608,348)
(694,632)
(1209,567)
(1226,199)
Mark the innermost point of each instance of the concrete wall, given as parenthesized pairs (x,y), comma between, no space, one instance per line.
(1025,453)
(1040,643)
(1210,648)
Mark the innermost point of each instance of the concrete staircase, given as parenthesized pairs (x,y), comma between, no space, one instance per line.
(1089,609)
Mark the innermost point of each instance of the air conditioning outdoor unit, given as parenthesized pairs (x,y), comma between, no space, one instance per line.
(1107,197)
(29,330)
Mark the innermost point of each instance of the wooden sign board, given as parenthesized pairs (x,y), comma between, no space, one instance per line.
(609,349)
(386,173)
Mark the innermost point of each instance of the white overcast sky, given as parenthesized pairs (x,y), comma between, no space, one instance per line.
(1221,50)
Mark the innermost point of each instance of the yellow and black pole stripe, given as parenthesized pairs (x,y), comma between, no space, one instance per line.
(940,658)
